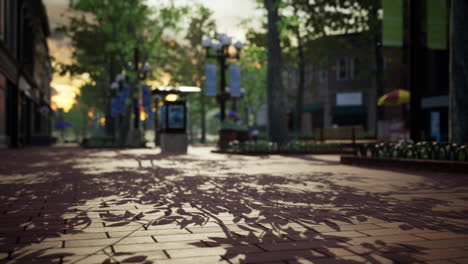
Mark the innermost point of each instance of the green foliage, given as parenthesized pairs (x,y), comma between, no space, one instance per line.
(108,36)
(254,69)
(230,124)
(189,70)
(77,116)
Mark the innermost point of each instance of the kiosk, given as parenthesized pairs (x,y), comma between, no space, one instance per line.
(173,123)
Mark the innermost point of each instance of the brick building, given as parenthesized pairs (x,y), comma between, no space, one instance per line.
(25,74)
(341,88)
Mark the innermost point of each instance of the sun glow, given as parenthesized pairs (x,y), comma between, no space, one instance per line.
(66,89)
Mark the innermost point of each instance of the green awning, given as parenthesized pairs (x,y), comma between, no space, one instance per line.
(312,107)
(348,110)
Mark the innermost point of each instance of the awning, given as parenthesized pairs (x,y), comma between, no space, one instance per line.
(348,110)
(312,107)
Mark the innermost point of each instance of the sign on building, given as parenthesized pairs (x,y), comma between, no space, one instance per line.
(354,98)
(437,24)
(392,23)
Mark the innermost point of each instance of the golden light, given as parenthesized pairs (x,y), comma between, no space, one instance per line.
(90,114)
(67,88)
(171,97)
(102,121)
(142,116)
(232,51)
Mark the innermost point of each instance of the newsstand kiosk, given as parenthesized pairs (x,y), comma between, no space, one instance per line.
(173,118)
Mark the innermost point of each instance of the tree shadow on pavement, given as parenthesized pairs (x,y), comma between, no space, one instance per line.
(50,198)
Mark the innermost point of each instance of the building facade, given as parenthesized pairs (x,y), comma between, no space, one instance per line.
(341,89)
(25,74)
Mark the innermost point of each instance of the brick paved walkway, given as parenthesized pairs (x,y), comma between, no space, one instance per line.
(69,205)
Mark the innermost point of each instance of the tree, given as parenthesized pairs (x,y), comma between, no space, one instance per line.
(114,36)
(458,108)
(254,68)
(201,25)
(277,125)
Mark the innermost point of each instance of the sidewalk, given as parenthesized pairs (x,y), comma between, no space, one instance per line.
(73,205)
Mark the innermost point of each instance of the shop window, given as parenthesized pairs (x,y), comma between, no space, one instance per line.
(342,69)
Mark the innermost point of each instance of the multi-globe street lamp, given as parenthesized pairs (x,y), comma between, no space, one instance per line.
(221,47)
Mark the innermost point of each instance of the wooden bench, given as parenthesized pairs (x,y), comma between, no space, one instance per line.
(339,133)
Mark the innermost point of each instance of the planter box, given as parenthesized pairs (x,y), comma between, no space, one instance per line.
(292,153)
(226,136)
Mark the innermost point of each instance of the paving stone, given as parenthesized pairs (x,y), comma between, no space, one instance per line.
(344,259)
(435,254)
(460,260)
(277,209)
(108,242)
(184,237)
(434,244)
(93,259)
(32,237)
(266,257)
(142,232)
(396,231)
(294,245)
(195,244)
(211,251)
(443,235)
(195,260)
(382,240)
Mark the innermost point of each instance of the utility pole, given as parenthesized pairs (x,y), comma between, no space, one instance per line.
(136,110)
(376,25)
(222,82)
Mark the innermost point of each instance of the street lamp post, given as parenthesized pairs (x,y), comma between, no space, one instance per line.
(142,72)
(221,46)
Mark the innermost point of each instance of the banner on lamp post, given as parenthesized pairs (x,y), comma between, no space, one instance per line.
(235,80)
(210,80)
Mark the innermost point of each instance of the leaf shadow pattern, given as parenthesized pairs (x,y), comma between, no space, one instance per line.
(49,198)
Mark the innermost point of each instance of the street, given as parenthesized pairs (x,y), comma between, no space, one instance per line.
(75,205)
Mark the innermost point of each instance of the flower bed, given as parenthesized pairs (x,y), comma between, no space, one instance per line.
(409,150)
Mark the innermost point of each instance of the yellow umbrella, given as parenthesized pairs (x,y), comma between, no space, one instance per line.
(395,97)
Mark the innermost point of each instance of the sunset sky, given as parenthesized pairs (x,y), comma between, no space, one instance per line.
(228,14)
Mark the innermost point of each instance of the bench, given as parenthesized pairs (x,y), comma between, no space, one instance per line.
(339,133)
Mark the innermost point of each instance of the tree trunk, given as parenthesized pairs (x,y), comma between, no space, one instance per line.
(301,84)
(417,63)
(458,107)
(202,119)
(277,125)
(376,32)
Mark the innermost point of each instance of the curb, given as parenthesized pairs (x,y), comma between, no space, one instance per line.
(432,165)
